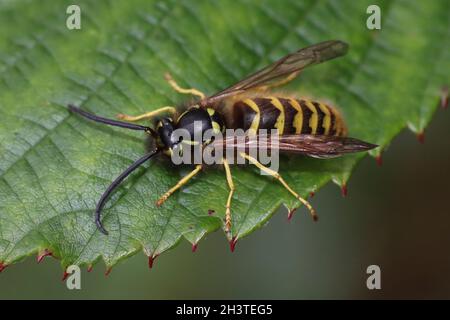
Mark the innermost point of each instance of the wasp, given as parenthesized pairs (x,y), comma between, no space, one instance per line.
(305,127)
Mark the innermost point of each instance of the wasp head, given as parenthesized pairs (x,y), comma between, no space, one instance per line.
(165,138)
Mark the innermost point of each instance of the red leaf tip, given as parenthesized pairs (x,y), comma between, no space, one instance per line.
(291,214)
(233,242)
(3,266)
(194,247)
(89,268)
(151,260)
(44,253)
(312,194)
(421,137)
(379,160)
(344,190)
(108,271)
(444,98)
(65,275)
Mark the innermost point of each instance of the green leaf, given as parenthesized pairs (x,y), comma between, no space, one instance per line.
(54,166)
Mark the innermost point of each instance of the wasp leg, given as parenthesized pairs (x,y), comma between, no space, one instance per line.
(281,82)
(177,88)
(179,184)
(148,115)
(277,176)
(230,196)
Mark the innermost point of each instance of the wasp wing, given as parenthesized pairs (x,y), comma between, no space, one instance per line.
(286,67)
(316,146)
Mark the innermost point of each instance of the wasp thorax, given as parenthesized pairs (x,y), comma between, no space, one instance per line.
(194,122)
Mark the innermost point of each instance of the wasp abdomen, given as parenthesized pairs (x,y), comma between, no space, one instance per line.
(288,115)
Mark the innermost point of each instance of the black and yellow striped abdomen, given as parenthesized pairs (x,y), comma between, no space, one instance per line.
(288,115)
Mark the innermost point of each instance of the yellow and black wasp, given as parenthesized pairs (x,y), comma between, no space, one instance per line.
(305,127)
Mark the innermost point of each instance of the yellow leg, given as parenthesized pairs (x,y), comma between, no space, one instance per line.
(230,196)
(277,176)
(177,88)
(148,115)
(179,184)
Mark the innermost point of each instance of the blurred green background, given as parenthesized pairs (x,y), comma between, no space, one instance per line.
(396,216)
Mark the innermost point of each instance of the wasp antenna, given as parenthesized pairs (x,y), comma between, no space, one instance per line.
(99,224)
(110,122)
(115,184)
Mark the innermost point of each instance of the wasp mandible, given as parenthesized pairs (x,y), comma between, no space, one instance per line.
(304,127)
